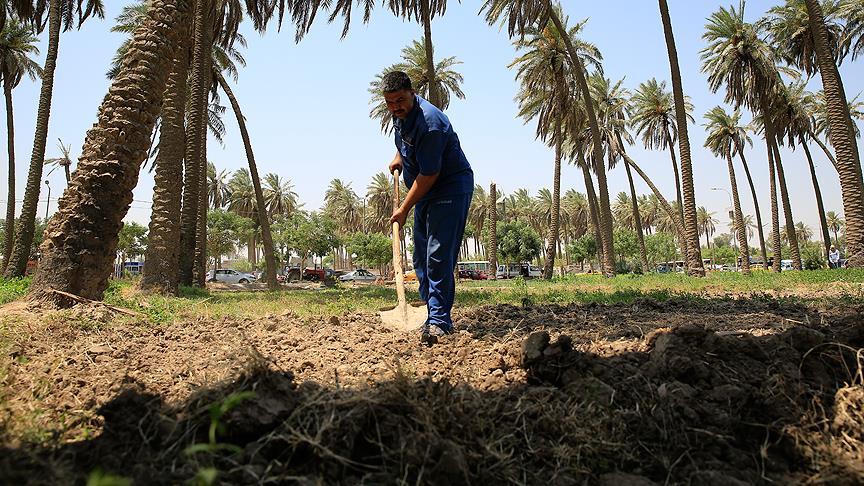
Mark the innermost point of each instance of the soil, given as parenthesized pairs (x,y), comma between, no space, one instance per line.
(685,391)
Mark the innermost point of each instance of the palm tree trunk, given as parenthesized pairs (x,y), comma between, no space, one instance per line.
(842,136)
(743,245)
(199,266)
(794,249)
(434,96)
(637,220)
(605,214)
(677,186)
(264,221)
(9,228)
(27,222)
(163,256)
(824,149)
(820,205)
(775,216)
(492,246)
(201,55)
(694,252)
(679,228)
(759,230)
(549,264)
(593,210)
(81,239)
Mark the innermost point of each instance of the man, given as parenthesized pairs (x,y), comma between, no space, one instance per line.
(834,257)
(440,184)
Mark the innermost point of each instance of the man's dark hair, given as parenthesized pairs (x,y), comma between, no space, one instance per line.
(395,81)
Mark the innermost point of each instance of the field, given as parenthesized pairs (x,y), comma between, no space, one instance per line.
(660,379)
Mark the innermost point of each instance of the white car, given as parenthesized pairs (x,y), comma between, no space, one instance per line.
(228,275)
(358,275)
(516,269)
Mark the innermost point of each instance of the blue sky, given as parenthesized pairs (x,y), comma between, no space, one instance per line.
(307,104)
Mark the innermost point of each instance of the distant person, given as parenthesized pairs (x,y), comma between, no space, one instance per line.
(834,257)
(440,184)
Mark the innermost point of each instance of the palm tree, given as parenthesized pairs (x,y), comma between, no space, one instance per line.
(852,11)
(447,82)
(378,206)
(17,45)
(741,140)
(115,147)
(804,232)
(217,186)
(842,136)
(493,229)
(65,160)
(788,27)
(523,15)
(542,70)
(835,223)
(722,139)
(694,252)
(60,16)
(739,59)
(343,206)
(477,214)
(653,117)
(707,223)
(279,195)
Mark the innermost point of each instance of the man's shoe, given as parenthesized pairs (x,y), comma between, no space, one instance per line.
(431,333)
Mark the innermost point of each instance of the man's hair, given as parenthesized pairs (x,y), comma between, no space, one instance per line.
(395,81)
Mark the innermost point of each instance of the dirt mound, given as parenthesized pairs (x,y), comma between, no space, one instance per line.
(636,394)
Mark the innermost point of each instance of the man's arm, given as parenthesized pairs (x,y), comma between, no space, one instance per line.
(396,163)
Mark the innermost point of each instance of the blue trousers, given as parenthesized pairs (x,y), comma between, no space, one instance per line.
(438,228)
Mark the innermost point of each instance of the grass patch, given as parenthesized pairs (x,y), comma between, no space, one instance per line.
(11,289)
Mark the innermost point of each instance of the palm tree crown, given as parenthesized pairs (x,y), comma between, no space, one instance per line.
(653,114)
(788,26)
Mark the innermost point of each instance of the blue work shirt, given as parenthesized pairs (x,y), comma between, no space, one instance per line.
(429,146)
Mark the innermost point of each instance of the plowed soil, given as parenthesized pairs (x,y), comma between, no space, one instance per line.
(686,391)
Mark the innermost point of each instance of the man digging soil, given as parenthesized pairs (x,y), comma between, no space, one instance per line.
(440,184)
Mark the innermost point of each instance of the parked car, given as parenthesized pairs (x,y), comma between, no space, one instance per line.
(526,270)
(228,275)
(359,275)
(411,276)
(785,264)
(473,274)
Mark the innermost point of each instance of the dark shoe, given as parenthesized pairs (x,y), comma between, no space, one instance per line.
(431,334)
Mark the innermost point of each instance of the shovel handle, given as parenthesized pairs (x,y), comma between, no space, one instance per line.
(398,273)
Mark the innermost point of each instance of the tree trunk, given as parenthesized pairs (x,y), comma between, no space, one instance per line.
(794,249)
(820,205)
(679,228)
(493,230)
(605,214)
(27,223)
(549,264)
(743,245)
(434,96)
(81,239)
(9,228)
(842,136)
(201,56)
(68,175)
(825,149)
(593,210)
(760,232)
(775,216)
(163,255)
(677,187)
(199,266)
(637,219)
(694,252)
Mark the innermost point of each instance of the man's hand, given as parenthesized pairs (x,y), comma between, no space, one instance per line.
(399,216)
(396,165)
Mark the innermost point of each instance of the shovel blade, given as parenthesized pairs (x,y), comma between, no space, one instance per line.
(394,319)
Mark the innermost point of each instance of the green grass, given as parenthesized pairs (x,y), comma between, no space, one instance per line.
(194,302)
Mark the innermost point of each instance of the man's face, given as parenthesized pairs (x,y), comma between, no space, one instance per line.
(400,103)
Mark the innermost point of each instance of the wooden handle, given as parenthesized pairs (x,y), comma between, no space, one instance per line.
(398,272)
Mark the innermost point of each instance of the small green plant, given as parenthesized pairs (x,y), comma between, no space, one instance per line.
(98,477)
(217,411)
(13,288)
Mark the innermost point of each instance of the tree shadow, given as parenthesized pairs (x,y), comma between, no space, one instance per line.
(691,407)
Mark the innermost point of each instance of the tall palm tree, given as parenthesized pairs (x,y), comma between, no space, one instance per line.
(852,12)
(279,195)
(804,232)
(739,59)
(842,137)
(694,252)
(17,46)
(115,146)
(60,17)
(447,82)
(544,94)
(707,223)
(742,139)
(379,204)
(835,224)
(653,117)
(217,186)
(493,228)
(522,15)
(65,160)
(344,207)
(722,141)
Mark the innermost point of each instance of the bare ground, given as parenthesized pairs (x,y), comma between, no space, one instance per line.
(687,391)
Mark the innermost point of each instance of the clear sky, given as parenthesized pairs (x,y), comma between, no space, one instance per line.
(307,104)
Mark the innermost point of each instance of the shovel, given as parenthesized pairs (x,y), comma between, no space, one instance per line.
(403,317)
